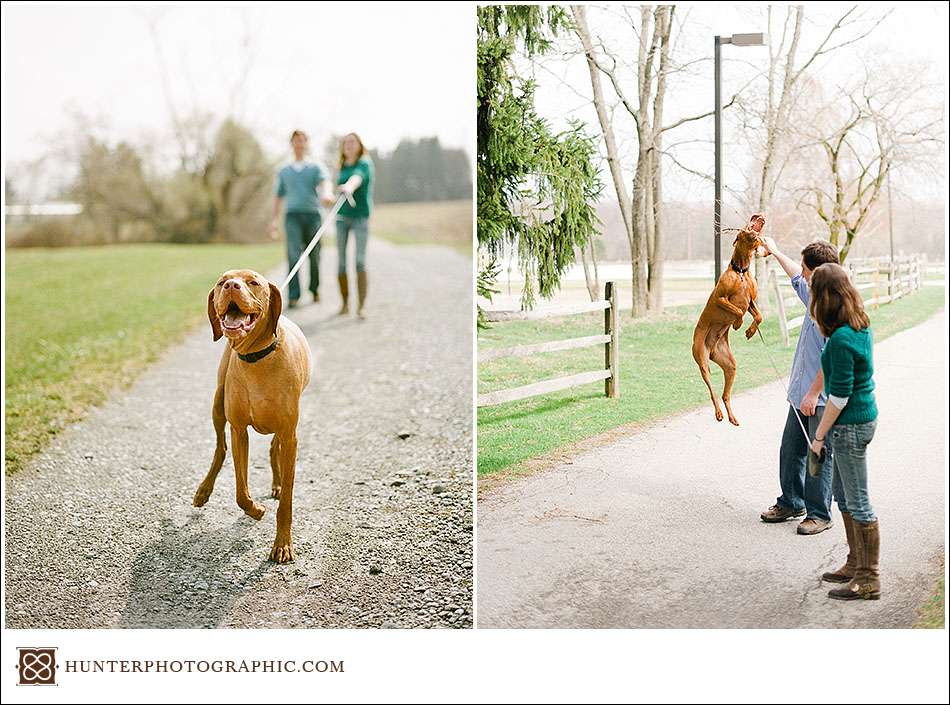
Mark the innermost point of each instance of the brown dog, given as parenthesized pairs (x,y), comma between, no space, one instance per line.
(263,371)
(734,294)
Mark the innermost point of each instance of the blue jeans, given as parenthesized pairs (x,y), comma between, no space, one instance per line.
(850,443)
(360,228)
(799,489)
(300,228)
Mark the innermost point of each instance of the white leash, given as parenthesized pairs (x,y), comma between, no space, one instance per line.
(331,216)
(782,379)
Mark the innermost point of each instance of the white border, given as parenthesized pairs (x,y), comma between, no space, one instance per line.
(504,665)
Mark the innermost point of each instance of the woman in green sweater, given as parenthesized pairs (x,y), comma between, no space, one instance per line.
(355,180)
(848,425)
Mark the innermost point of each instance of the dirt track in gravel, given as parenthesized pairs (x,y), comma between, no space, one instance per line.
(100,531)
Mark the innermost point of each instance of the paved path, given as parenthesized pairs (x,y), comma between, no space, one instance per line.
(661,528)
(101,532)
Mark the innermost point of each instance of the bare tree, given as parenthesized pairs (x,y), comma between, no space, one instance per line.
(223,175)
(890,120)
(588,256)
(771,117)
(641,204)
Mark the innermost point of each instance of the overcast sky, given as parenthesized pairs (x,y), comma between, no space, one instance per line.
(385,70)
(913,36)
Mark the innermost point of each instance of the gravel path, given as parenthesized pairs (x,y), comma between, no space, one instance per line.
(100,531)
(661,529)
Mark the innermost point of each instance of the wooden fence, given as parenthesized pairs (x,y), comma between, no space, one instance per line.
(610,339)
(878,280)
(933,273)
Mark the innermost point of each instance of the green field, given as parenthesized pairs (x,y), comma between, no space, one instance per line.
(83,321)
(440,222)
(657,375)
(933,612)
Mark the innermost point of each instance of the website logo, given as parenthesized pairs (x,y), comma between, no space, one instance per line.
(37,666)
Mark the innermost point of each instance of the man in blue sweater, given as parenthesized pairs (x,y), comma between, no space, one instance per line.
(802,494)
(299,186)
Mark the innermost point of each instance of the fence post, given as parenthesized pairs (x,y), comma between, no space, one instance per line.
(612,328)
(780,307)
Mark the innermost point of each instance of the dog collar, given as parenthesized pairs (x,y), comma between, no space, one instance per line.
(734,268)
(260,354)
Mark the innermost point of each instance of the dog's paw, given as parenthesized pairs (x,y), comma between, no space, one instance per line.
(750,331)
(201,496)
(738,324)
(733,420)
(282,552)
(718,415)
(275,491)
(255,511)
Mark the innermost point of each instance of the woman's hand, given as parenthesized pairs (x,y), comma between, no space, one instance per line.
(272,231)
(817,446)
(328,201)
(352,183)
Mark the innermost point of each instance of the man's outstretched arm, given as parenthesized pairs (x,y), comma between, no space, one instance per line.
(791,267)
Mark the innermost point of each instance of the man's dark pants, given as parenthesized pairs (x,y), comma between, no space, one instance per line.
(300,227)
(799,489)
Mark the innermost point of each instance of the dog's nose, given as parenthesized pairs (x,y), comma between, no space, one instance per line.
(232,284)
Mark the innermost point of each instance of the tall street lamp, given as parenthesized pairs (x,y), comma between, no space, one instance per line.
(739,40)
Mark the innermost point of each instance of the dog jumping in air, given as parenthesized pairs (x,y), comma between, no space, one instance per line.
(734,294)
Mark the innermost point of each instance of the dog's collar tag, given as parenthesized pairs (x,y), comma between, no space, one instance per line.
(260,354)
(740,270)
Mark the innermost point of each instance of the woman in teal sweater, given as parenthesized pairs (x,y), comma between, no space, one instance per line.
(355,180)
(848,425)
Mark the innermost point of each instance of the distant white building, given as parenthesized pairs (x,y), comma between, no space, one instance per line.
(42,210)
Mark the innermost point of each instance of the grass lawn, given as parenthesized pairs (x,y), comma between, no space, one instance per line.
(83,321)
(439,222)
(657,375)
(932,613)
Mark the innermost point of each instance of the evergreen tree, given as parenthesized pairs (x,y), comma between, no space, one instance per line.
(537,189)
(422,170)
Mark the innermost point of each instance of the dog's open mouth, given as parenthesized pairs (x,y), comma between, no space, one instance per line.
(235,322)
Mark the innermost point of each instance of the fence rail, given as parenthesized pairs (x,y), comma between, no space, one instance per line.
(610,339)
(878,280)
(933,273)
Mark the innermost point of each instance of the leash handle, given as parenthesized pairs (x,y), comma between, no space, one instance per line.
(316,237)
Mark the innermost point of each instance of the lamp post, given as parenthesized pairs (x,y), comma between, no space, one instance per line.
(740,40)
(890,215)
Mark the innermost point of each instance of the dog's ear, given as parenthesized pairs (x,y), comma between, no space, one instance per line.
(216,331)
(274,306)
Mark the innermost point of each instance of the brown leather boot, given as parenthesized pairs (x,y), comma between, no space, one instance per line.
(845,572)
(871,538)
(362,284)
(344,293)
(866,583)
